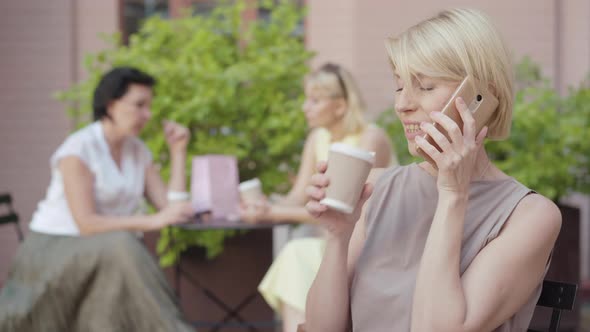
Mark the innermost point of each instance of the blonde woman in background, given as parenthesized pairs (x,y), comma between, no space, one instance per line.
(334,110)
(459,246)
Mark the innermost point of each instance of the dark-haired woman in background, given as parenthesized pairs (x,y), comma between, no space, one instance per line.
(81,268)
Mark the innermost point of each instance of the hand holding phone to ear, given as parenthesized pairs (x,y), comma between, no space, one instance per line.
(456,156)
(480,102)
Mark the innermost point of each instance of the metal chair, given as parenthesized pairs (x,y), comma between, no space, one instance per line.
(557,296)
(10,216)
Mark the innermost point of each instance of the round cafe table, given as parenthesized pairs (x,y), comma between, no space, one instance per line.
(232,317)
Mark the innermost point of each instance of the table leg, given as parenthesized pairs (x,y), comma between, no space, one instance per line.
(177,273)
(229,311)
(234,313)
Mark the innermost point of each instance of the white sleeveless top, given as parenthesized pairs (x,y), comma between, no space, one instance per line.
(117,191)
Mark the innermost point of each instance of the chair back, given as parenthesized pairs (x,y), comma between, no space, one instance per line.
(557,296)
(8,215)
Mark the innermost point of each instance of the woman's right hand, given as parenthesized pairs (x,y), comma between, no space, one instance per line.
(177,136)
(173,213)
(338,224)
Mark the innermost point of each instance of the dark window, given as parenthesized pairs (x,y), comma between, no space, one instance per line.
(135,11)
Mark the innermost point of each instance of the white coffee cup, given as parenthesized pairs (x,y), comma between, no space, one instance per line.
(348,170)
(251,191)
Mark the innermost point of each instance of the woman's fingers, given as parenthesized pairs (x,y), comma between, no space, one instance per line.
(315,193)
(450,126)
(320,180)
(436,135)
(467,117)
(168,127)
(315,208)
(174,131)
(428,148)
(481,136)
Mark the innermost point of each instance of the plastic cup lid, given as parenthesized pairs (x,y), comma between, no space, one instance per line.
(368,156)
(250,184)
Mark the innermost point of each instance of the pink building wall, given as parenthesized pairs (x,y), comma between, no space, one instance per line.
(575,42)
(556,34)
(42,47)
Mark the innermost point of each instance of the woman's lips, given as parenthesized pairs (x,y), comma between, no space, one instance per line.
(412,129)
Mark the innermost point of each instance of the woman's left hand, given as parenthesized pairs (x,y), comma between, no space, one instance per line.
(256,212)
(177,136)
(457,160)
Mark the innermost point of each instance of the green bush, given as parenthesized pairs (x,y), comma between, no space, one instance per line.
(576,132)
(536,154)
(236,85)
(549,146)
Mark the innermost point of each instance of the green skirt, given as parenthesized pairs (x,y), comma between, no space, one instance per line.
(106,282)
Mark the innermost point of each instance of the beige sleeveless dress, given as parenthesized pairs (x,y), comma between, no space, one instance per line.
(398,222)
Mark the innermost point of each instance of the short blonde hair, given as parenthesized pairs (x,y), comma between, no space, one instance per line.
(453,44)
(336,82)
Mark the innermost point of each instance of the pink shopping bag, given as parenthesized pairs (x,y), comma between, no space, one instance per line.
(214,188)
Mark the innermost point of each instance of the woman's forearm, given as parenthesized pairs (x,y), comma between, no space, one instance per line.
(293,198)
(328,300)
(177,172)
(439,302)
(96,224)
(286,213)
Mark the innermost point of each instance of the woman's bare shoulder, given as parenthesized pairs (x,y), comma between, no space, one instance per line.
(536,212)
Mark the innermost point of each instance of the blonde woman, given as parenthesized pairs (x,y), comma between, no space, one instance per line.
(334,110)
(457,247)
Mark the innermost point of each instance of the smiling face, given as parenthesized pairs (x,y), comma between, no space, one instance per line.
(416,100)
(445,49)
